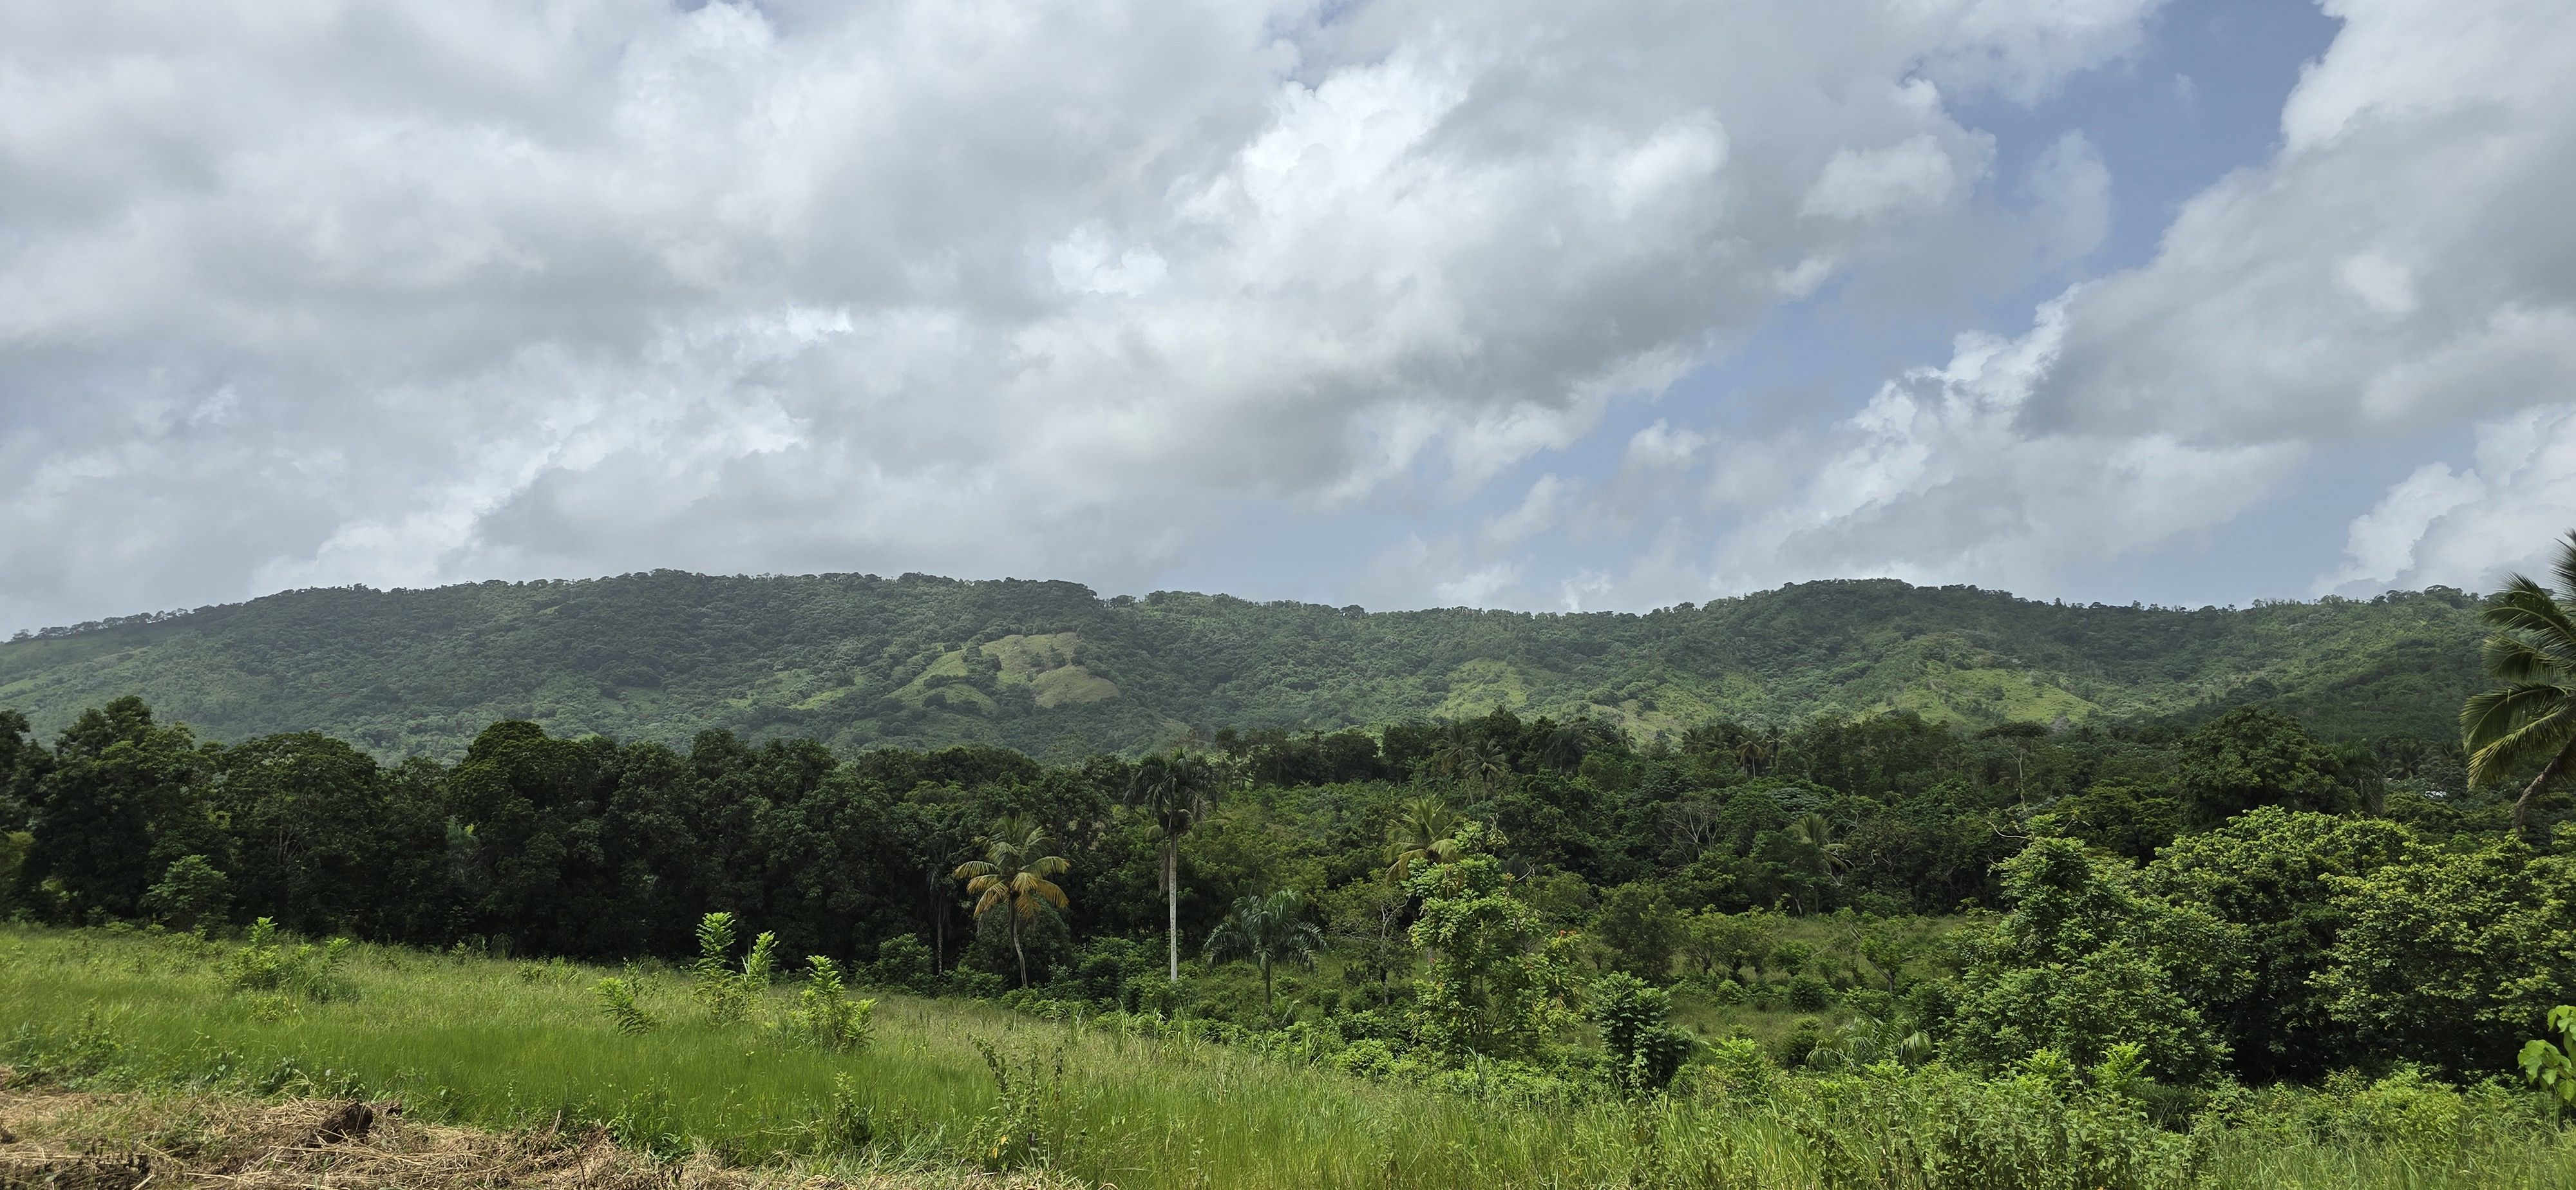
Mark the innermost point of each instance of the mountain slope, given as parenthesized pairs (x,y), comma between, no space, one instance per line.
(1055,670)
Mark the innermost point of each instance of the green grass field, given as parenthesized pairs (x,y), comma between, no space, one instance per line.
(503,1044)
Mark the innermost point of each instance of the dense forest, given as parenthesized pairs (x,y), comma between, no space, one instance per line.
(2240,897)
(1054,671)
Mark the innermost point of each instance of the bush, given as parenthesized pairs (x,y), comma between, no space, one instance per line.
(1802,1040)
(903,963)
(192,892)
(1810,994)
(727,993)
(1634,1019)
(265,964)
(618,1001)
(828,1018)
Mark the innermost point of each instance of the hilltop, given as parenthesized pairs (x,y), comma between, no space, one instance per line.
(1056,670)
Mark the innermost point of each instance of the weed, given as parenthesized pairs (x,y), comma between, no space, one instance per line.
(617,999)
(266,964)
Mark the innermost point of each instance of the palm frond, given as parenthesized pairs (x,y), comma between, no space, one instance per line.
(2526,607)
(2545,737)
(2491,715)
(1032,886)
(2527,658)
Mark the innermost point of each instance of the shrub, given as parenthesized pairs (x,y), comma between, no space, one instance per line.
(1634,1019)
(728,993)
(1810,994)
(265,964)
(828,1017)
(1801,1040)
(904,963)
(192,892)
(617,999)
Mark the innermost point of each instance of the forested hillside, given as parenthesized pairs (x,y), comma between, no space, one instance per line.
(1052,669)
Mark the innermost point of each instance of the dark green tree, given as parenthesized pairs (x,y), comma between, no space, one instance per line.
(2086,960)
(1638,931)
(191,893)
(2273,874)
(2252,757)
(124,798)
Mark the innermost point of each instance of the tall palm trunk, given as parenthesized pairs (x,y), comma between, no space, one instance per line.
(1267,1017)
(1172,902)
(1015,944)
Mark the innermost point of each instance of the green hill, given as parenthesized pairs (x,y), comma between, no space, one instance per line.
(1055,670)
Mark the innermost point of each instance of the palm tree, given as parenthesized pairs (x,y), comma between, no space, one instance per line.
(1813,830)
(1176,790)
(1267,930)
(1423,831)
(1013,876)
(2531,718)
(1755,755)
(1467,755)
(1563,746)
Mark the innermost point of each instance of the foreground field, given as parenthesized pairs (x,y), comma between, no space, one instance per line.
(524,1048)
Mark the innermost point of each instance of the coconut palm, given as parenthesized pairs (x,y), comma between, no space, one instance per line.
(1176,791)
(1817,834)
(1424,831)
(1466,755)
(1267,930)
(1012,877)
(1755,755)
(2530,720)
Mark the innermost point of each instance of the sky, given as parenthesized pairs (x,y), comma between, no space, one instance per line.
(1401,303)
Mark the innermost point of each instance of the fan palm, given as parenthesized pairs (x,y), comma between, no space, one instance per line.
(1267,930)
(1424,831)
(1176,791)
(1012,876)
(2530,719)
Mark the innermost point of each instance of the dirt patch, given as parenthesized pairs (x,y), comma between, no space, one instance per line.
(71,1140)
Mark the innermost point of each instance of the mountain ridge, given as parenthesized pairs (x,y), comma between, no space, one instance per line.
(1057,670)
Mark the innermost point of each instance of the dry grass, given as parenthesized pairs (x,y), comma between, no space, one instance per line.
(73,1140)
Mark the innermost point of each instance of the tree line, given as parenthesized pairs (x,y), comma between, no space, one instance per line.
(2240,897)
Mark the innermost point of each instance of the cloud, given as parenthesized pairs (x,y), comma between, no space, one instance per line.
(2401,267)
(298,293)
(2471,526)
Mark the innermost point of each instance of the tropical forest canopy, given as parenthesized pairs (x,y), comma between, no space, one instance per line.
(1052,670)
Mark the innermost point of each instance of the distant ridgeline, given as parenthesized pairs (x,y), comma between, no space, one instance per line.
(1054,670)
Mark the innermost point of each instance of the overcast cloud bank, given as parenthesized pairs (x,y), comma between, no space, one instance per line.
(301,294)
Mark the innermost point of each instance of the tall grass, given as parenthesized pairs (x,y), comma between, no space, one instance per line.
(510,1045)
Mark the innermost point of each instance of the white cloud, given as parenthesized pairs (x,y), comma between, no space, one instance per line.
(300,293)
(2403,265)
(2468,528)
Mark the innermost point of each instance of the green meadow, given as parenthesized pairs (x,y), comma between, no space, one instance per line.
(1136,1101)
